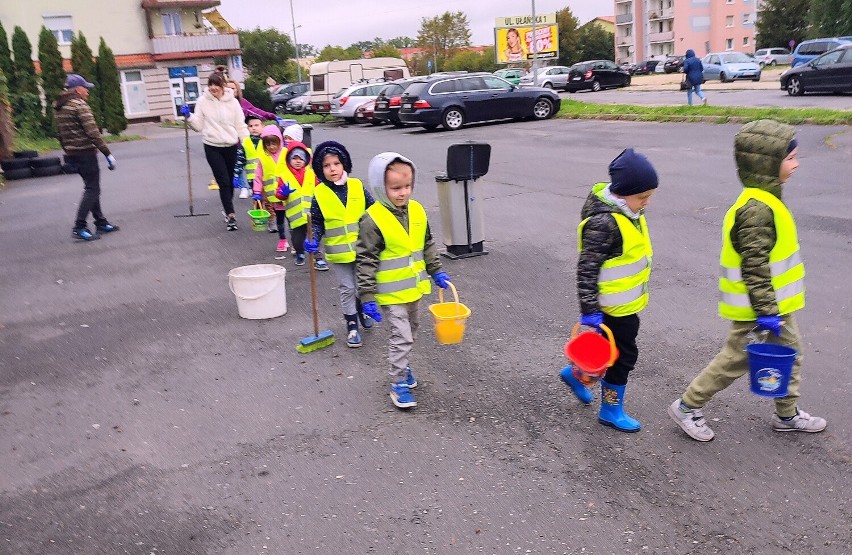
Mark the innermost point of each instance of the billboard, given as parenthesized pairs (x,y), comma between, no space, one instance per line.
(514,39)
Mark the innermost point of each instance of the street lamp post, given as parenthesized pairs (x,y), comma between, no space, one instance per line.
(296,43)
(534,48)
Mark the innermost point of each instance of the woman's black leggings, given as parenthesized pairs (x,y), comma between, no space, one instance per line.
(222,160)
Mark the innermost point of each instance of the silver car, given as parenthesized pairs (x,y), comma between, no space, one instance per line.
(345,102)
(552,77)
(773,57)
(298,104)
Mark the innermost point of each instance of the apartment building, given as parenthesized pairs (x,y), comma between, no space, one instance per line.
(654,29)
(164,49)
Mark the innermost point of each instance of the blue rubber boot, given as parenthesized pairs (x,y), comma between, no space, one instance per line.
(583,393)
(612,409)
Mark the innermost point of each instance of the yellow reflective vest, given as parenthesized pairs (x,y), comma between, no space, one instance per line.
(341,222)
(298,204)
(401,276)
(623,280)
(785,262)
(252,155)
(272,170)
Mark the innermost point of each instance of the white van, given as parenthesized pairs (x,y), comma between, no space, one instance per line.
(327,78)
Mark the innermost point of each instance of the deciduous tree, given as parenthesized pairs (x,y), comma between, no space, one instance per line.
(831,18)
(594,43)
(443,34)
(569,36)
(781,21)
(330,53)
(468,60)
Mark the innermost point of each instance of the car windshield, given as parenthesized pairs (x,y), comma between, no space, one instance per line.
(735,58)
(578,67)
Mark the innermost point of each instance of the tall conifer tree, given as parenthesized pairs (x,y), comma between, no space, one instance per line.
(112,106)
(52,75)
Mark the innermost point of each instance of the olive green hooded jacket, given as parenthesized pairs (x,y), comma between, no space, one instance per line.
(759,149)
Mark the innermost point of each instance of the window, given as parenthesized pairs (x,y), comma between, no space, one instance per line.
(318,82)
(172,24)
(133,89)
(496,83)
(729,44)
(444,87)
(60,26)
(729,21)
(746,18)
(830,58)
(745,41)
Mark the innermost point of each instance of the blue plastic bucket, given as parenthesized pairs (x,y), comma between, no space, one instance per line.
(770,368)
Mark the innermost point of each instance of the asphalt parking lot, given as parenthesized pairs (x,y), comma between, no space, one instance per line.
(139,414)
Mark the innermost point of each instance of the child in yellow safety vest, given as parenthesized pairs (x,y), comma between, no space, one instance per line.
(612,275)
(269,177)
(338,204)
(761,281)
(247,153)
(396,254)
(297,193)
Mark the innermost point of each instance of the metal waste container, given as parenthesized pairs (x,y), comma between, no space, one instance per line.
(460,199)
(306,139)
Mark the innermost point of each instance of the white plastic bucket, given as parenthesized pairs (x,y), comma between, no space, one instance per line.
(260,290)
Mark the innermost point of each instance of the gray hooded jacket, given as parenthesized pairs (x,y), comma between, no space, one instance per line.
(370,240)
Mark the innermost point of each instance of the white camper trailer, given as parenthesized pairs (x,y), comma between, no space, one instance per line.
(329,77)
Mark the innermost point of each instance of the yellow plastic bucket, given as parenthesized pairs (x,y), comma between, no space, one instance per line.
(259,217)
(449,318)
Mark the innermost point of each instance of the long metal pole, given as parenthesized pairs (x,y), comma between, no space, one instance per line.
(534,48)
(296,41)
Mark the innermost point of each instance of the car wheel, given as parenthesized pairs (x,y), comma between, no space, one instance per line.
(453,118)
(723,77)
(542,109)
(627,82)
(280,108)
(596,85)
(772,62)
(761,64)
(46,162)
(756,78)
(795,87)
(47,171)
(547,85)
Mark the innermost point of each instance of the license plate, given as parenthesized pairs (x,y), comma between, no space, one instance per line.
(382,105)
(576,78)
(407,105)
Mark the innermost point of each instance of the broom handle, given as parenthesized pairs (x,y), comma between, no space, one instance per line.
(313,271)
(186,143)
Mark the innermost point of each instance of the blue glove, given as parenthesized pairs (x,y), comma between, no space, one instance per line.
(284,191)
(257,196)
(279,121)
(185,111)
(237,183)
(311,245)
(111,162)
(442,280)
(770,323)
(371,309)
(593,320)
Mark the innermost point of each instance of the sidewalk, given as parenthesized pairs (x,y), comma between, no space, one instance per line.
(769,80)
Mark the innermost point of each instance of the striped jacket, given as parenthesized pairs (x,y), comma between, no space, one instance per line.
(78,132)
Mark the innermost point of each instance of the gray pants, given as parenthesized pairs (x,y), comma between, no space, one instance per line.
(345,273)
(403,322)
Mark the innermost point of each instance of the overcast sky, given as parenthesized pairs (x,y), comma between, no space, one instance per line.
(343,22)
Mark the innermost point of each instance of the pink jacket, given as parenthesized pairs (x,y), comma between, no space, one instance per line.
(257,185)
(250,109)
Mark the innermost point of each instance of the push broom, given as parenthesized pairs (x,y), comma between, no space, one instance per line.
(317,340)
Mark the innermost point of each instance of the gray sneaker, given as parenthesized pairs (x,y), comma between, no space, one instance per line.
(802,422)
(691,421)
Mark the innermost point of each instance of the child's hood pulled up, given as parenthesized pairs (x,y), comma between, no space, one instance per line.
(376,175)
(759,148)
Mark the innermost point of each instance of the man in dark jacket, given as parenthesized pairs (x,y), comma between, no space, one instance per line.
(693,70)
(80,138)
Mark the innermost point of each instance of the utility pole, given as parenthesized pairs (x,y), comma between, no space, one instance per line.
(296,44)
(534,47)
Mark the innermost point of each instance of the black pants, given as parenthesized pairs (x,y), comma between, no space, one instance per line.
(298,236)
(281,222)
(222,160)
(624,331)
(87,166)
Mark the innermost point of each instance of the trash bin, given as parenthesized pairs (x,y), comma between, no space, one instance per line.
(306,138)
(460,199)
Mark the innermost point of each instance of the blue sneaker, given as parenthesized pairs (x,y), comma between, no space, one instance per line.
(300,259)
(367,321)
(321,265)
(353,339)
(85,234)
(107,228)
(401,396)
(410,380)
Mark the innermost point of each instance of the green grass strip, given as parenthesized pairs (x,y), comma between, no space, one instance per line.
(42,144)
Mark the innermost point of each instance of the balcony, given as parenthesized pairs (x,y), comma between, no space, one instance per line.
(624,41)
(667,36)
(667,13)
(180,44)
(622,18)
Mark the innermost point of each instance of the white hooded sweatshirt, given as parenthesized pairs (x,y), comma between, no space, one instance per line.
(220,120)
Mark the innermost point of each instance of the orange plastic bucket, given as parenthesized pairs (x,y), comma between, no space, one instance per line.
(591,353)
(449,318)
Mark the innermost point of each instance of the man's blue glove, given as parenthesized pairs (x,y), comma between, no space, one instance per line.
(111,162)
(237,183)
(593,320)
(185,111)
(257,196)
(371,309)
(770,323)
(442,280)
(311,245)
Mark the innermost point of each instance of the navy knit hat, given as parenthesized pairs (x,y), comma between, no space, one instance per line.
(330,147)
(631,173)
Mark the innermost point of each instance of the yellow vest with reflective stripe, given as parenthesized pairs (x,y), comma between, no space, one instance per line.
(272,170)
(252,155)
(298,204)
(623,280)
(341,222)
(401,277)
(785,262)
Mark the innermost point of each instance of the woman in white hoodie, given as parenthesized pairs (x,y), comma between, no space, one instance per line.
(219,118)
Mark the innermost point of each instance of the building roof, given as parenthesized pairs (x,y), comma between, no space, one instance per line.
(149,4)
(607,18)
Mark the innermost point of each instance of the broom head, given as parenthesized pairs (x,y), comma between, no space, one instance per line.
(315,342)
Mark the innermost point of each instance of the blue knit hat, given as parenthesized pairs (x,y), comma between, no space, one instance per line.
(330,147)
(631,173)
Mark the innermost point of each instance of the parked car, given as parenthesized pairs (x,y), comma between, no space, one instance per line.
(365,113)
(730,66)
(552,77)
(673,64)
(389,101)
(344,103)
(646,67)
(773,57)
(453,101)
(628,67)
(831,72)
(299,104)
(285,92)
(512,75)
(807,50)
(595,75)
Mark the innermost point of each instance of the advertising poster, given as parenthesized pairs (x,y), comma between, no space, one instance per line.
(514,39)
